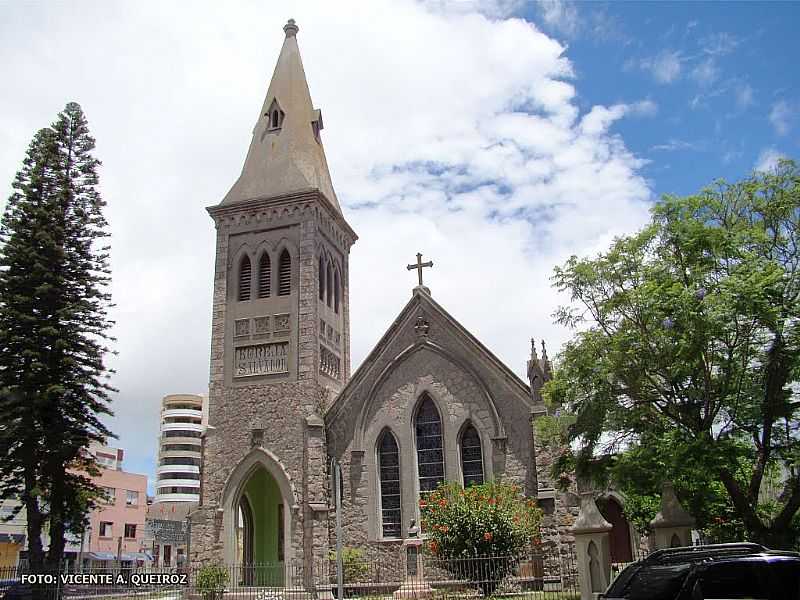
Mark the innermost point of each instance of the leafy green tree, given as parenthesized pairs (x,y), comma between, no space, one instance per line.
(689,332)
(466,527)
(53,329)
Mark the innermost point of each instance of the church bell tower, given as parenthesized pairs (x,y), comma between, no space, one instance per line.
(280,345)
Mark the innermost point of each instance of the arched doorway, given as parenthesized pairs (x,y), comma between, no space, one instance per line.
(620,534)
(258,506)
(260,530)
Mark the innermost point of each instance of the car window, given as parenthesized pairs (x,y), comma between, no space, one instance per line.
(653,581)
(732,581)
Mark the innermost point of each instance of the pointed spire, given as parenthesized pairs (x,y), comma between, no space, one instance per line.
(534,369)
(547,368)
(286,153)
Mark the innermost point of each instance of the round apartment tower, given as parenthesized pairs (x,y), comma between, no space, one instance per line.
(179,448)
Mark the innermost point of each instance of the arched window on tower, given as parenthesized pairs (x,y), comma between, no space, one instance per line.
(321,279)
(329,300)
(284,274)
(245,277)
(275,122)
(471,456)
(389,475)
(430,457)
(337,291)
(264,276)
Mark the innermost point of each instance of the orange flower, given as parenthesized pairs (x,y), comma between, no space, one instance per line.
(442,502)
(434,546)
(492,501)
(488,536)
(422,503)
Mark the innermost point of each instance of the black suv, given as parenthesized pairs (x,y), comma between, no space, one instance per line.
(713,571)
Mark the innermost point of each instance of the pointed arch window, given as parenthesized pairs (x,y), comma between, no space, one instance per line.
(430,456)
(284,274)
(264,276)
(245,277)
(471,456)
(337,290)
(321,279)
(389,475)
(329,301)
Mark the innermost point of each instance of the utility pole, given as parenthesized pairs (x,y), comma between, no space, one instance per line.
(119,553)
(336,471)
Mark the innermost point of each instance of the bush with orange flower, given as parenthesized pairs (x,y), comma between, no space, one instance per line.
(465,526)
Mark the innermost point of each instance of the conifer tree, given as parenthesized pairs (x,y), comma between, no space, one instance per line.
(54,276)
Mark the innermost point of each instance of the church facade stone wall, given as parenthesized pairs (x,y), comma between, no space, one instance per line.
(466,389)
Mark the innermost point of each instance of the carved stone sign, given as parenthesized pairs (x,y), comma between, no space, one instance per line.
(262,324)
(261,359)
(241,327)
(282,322)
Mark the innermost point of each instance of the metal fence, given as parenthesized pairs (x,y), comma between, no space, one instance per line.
(542,573)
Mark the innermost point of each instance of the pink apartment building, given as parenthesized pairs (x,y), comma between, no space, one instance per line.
(118,524)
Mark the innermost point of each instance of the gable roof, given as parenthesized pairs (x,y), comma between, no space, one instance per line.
(421,299)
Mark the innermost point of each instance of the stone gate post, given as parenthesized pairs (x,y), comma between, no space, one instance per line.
(592,547)
(673,525)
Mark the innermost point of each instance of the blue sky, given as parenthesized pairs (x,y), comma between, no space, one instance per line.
(724,75)
(496,146)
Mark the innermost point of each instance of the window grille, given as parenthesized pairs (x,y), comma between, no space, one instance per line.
(471,457)
(264,276)
(285,274)
(430,457)
(389,472)
(245,276)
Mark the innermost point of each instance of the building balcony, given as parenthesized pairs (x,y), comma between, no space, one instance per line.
(183,399)
(182,427)
(181,453)
(178,469)
(188,483)
(178,497)
(182,413)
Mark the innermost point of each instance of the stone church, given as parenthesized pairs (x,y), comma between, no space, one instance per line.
(429,403)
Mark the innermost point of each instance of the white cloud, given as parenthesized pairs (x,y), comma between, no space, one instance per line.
(561,15)
(665,67)
(768,159)
(719,44)
(644,108)
(522,178)
(674,144)
(781,116)
(744,96)
(490,8)
(705,72)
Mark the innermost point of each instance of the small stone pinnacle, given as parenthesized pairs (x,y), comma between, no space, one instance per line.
(291,28)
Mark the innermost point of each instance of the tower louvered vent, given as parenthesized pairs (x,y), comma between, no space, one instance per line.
(264,276)
(245,276)
(285,274)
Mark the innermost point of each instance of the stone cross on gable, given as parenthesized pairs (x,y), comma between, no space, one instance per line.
(419,266)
